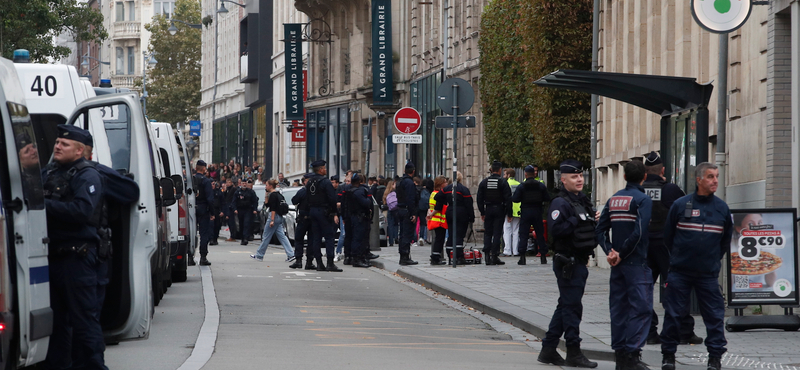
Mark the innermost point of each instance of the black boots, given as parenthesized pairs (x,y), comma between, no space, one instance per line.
(372,256)
(320,265)
(575,358)
(694,339)
(653,338)
(489,258)
(521,259)
(204,261)
(496,260)
(630,361)
(298,263)
(714,363)
(436,260)
(361,262)
(549,355)
(310,264)
(407,261)
(331,266)
(544,259)
(348,260)
(668,361)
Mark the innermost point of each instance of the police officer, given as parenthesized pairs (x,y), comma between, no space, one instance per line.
(358,203)
(322,212)
(230,189)
(73,190)
(663,194)
(571,220)
(698,234)
(406,205)
(345,227)
(463,212)
(531,194)
(303,226)
(219,204)
(204,201)
(494,204)
(244,206)
(626,217)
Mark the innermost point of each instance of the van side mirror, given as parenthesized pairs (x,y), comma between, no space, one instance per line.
(168,192)
(178,181)
(157,190)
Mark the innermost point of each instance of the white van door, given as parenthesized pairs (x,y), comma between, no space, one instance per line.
(129,301)
(186,162)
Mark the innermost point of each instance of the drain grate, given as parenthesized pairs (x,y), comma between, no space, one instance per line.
(741,362)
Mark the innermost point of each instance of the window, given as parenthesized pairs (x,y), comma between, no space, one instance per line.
(120,62)
(131,11)
(25,140)
(164,7)
(131,60)
(120,11)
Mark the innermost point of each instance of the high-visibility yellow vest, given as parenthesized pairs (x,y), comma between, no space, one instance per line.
(515,206)
(438,219)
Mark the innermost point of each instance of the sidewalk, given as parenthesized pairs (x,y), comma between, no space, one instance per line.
(526,297)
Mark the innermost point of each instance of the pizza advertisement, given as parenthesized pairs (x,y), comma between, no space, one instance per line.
(762,262)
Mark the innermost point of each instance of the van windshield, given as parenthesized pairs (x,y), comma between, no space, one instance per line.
(44,126)
(118,129)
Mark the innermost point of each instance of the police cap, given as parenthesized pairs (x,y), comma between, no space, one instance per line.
(571,166)
(652,159)
(201,163)
(530,168)
(410,166)
(356,177)
(75,133)
(309,175)
(318,163)
(23,139)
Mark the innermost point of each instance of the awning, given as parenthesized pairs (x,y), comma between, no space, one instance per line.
(662,95)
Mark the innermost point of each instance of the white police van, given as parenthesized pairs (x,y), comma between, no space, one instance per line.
(27,320)
(186,163)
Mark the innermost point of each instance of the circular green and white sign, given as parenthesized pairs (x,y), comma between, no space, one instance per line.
(721,16)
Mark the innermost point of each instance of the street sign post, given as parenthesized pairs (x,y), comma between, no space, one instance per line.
(457,96)
(463,122)
(721,16)
(407,120)
(406,139)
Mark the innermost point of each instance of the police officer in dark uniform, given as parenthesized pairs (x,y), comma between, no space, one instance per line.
(322,212)
(219,205)
(204,202)
(244,206)
(494,204)
(73,190)
(626,217)
(358,203)
(697,232)
(531,195)
(230,218)
(464,212)
(303,226)
(345,227)
(571,220)
(406,212)
(663,194)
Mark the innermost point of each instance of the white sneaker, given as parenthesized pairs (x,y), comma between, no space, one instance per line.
(421,241)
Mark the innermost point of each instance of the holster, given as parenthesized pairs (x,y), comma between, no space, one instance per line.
(567,263)
(104,251)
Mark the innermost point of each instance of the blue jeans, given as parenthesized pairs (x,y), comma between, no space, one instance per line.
(342,235)
(712,308)
(392,226)
(279,232)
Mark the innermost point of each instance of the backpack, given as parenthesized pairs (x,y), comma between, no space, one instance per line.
(391,201)
(424,198)
(283,208)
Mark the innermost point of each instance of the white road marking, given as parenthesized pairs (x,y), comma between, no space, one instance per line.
(207,338)
(253,276)
(298,273)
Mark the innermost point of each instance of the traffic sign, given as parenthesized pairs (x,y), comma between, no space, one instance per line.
(406,139)
(447,121)
(194,128)
(721,16)
(407,120)
(464,99)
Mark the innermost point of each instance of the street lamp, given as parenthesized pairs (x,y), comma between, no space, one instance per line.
(149,60)
(85,63)
(223,9)
(173,30)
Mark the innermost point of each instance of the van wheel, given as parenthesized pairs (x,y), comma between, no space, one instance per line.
(168,278)
(179,276)
(157,290)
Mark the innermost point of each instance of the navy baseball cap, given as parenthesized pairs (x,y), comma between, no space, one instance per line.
(652,159)
(530,168)
(200,162)
(571,166)
(75,133)
(410,166)
(318,163)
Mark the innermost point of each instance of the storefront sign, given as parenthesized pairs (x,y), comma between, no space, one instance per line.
(382,86)
(298,131)
(293,54)
(762,262)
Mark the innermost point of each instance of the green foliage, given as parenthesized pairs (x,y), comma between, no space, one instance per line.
(520,42)
(173,85)
(32,25)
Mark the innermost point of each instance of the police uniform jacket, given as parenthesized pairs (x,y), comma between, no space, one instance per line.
(494,190)
(663,194)
(205,194)
(698,235)
(244,199)
(563,221)
(531,194)
(463,206)
(70,219)
(321,193)
(117,187)
(229,197)
(406,193)
(219,202)
(340,195)
(627,216)
(359,201)
(299,201)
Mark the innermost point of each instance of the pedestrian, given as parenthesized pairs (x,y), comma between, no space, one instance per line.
(345,235)
(73,191)
(303,226)
(406,213)
(204,200)
(390,204)
(230,218)
(322,203)
(282,181)
(358,207)
(335,182)
(245,207)
(274,224)
(437,223)
(463,213)
(379,191)
(571,220)
(622,232)
(531,194)
(422,209)
(663,194)
(698,232)
(219,200)
(511,224)
(494,204)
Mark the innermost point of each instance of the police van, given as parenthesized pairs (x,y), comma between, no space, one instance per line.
(177,213)
(189,194)
(54,91)
(26,319)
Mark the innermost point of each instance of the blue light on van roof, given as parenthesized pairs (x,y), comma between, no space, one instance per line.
(22,56)
(105,82)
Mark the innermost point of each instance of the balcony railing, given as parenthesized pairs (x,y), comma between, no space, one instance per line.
(127,30)
(122,81)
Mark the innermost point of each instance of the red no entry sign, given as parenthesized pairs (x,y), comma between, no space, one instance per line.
(407,120)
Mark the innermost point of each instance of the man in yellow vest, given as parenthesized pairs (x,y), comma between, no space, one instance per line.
(511,224)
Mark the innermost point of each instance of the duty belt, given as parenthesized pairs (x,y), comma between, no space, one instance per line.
(64,251)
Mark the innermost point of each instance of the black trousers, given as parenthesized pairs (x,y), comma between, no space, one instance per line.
(302,228)
(348,236)
(658,261)
(493,224)
(437,247)
(531,217)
